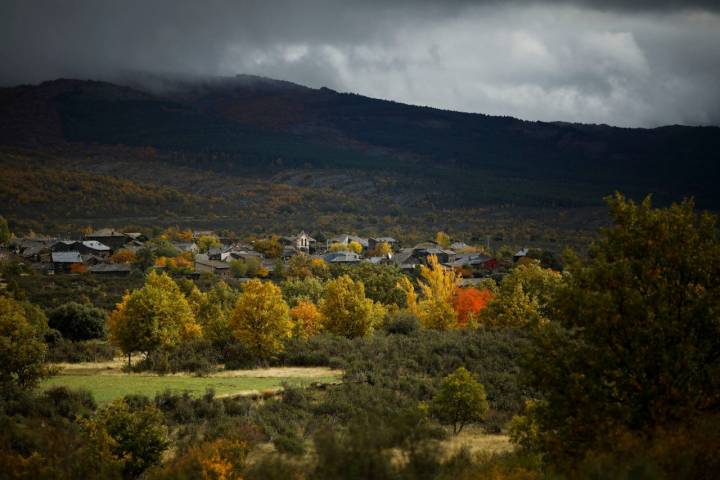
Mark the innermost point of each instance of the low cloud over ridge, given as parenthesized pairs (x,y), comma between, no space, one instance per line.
(636,63)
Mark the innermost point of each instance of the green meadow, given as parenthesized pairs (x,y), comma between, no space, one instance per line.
(107,384)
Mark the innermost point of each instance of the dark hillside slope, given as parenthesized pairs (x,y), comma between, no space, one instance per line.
(250,124)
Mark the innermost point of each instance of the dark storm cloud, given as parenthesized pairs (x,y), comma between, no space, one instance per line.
(629,63)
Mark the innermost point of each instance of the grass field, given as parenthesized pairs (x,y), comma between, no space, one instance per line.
(107,382)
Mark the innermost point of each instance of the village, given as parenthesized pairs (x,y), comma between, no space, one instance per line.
(110,252)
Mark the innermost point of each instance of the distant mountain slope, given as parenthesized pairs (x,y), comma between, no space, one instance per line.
(262,126)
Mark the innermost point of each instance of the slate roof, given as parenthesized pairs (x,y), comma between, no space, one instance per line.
(110,268)
(341,257)
(469,259)
(66,257)
(216,264)
(95,245)
(184,246)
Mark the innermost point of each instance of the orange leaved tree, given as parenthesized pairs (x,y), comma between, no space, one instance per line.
(468,302)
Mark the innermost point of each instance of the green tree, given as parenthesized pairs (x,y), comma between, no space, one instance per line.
(347,311)
(76,321)
(22,348)
(309,289)
(145,258)
(238,268)
(214,312)
(460,400)
(206,242)
(5,234)
(634,335)
(136,438)
(523,296)
(380,281)
(261,318)
(163,248)
(157,315)
(270,247)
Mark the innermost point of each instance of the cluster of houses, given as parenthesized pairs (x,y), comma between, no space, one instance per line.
(90,254)
(94,251)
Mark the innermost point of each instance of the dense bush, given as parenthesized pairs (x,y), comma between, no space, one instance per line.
(76,321)
(198,356)
(62,350)
(402,322)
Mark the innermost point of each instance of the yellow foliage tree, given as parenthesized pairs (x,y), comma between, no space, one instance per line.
(307,319)
(154,316)
(523,297)
(437,287)
(355,247)
(206,242)
(382,249)
(261,318)
(123,256)
(351,246)
(442,239)
(346,310)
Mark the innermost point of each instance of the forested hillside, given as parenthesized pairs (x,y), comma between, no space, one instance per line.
(260,127)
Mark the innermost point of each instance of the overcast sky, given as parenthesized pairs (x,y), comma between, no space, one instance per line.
(642,63)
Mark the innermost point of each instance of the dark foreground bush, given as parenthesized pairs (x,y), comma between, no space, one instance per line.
(63,350)
(77,321)
(198,356)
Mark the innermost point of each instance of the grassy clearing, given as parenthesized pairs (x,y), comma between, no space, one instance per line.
(475,440)
(107,382)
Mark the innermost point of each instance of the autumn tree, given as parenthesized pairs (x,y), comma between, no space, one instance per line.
(347,311)
(633,339)
(303,266)
(261,318)
(155,316)
(351,246)
(306,318)
(468,302)
(460,400)
(22,347)
(437,288)
(123,256)
(218,459)
(299,266)
(382,249)
(523,296)
(175,234)
(442,239)
(270,247)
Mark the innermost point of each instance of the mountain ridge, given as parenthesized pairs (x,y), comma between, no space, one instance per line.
(249,124)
